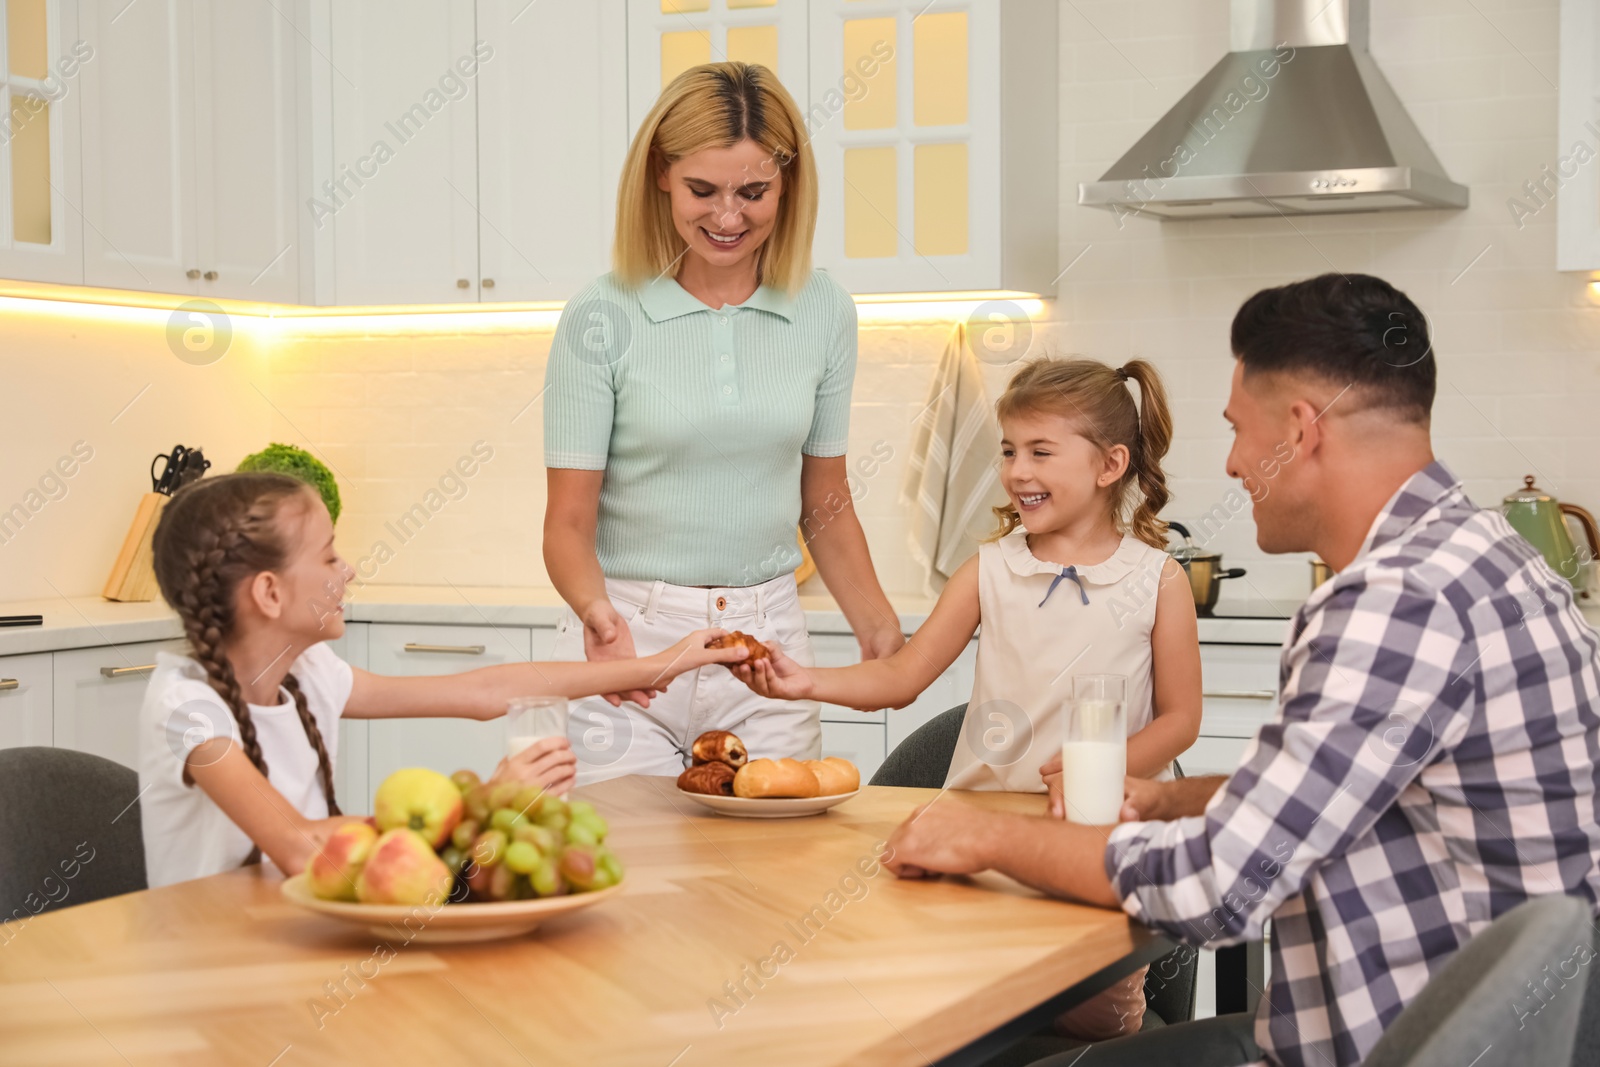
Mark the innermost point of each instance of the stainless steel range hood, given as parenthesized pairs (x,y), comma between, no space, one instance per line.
(1296,120)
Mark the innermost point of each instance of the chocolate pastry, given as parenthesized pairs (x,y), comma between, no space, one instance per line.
(720,746)
(715,779)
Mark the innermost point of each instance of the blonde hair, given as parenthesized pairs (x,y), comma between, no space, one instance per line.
(1096,399)
(717,105)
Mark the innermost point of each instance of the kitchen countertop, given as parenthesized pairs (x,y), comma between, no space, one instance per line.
(83,622)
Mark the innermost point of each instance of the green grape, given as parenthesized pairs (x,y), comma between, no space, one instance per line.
(506,819)
(489,849)
(581,833)
(546,879)
(465,833)
(522,857)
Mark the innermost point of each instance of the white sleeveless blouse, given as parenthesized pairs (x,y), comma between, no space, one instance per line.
(1043,623)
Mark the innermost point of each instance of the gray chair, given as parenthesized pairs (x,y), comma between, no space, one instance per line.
(70,833)
(1481,997)
(923,759)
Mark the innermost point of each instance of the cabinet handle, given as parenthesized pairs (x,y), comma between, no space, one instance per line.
(192,273)
(8,683)
(488,283)
(462,283)
(462,650)
(1242,694)
(118,672)
(210,276)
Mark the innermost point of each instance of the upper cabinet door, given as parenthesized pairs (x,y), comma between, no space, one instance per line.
(41,232)
(935,134)
(138,146)
(401,193)
(552,133)
(667,37)
(246,151)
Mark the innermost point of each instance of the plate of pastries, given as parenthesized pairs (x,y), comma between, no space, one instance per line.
(725,779)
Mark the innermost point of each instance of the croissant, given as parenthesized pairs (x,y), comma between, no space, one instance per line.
(733,639)
(715,779)
(720,746)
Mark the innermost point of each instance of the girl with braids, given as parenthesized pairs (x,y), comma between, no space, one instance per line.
(1076,580)
(251,716)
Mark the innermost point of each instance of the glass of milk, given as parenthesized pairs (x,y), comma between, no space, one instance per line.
(530,719)
(1094,750)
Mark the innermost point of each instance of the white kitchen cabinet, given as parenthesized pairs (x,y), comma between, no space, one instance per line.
(1239,692)
(667,37)
(552,133)
(862,743)
(190,141)
(26,715)
(97,694)
(401,193)
(445,744)
(41,232)
(951,689)
(935,136)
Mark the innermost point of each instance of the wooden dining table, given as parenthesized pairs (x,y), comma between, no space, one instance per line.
(748,942)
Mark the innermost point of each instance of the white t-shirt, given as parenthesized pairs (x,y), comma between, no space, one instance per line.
(185,834)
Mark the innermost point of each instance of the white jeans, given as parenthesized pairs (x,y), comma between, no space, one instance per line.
(612,741)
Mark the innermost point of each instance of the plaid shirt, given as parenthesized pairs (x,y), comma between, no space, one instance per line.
(1432,765)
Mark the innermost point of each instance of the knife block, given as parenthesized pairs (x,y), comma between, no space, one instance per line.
(133,576)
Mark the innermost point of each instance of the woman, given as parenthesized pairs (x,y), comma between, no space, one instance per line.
(697,406)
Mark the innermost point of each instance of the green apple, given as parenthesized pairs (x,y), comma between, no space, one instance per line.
(421,800)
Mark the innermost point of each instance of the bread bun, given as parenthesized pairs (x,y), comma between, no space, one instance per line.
(834,775)
(773,778)
(720,746)
(713,779)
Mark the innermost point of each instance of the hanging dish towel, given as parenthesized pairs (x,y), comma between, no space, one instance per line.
(953,479)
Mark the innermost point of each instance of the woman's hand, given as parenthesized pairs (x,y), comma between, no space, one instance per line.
(1051,773)
(549,762)
(606,636)
(880,643)
(777,676)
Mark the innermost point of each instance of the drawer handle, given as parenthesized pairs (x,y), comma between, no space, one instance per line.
(1242,694)
(8,683)
(463,650)
(118,672)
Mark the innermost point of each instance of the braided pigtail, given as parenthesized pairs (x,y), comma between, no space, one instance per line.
(314,734)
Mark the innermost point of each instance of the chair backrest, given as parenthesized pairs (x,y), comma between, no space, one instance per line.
(922,760)
(70,832)
(1518,986)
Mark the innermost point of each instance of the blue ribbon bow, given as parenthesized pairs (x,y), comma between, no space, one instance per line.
(1067,572)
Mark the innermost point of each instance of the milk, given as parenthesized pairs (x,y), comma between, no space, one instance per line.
(517,744)
(1091,780)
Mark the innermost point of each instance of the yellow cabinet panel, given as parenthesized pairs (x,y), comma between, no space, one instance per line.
(30,171)
(684,7)
(940,199)
(939,69)
(863,44)
(27,50)
(754,44)
(871,203)
(681,50)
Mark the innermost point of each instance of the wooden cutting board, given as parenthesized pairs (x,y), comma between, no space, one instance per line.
(133,576)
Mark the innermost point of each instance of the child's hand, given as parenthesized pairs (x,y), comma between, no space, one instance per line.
(776,676)
(1051,773)
(692,652)
(549,762)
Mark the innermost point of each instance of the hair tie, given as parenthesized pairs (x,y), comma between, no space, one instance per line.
(1122,374)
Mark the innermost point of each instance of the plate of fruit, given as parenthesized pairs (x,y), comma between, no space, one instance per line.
(457,859)
(725,779)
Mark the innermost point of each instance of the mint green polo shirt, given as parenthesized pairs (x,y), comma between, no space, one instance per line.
(699,417)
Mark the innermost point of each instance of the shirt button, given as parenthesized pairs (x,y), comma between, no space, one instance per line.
(723,319)
(726,358)
(727,388)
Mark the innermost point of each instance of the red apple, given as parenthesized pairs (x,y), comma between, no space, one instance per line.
(421,800)
(404,869)
(335,867)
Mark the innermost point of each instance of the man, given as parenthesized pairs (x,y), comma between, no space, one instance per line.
(1433,761)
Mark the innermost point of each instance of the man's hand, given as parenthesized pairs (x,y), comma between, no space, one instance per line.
(1142,800)
(1051,773)
(942,838)
(1147,800)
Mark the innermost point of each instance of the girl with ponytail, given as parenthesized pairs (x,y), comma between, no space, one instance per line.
(1076,580)
(237,740)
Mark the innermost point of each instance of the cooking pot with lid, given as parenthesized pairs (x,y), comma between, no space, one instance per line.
(1204,569)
